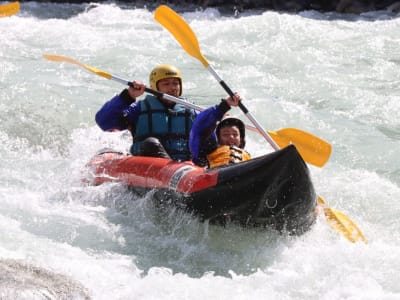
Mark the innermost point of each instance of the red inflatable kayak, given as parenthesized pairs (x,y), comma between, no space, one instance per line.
(272,190)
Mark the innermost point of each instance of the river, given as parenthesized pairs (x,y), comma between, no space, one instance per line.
(332,75)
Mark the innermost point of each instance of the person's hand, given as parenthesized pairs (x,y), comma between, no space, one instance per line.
(137,89)
(233,101)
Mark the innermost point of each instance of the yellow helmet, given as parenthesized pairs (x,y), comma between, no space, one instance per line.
(164,71)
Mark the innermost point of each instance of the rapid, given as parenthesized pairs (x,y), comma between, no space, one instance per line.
(334,76)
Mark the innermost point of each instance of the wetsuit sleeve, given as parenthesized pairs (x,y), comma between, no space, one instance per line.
(202,139)
(119,113)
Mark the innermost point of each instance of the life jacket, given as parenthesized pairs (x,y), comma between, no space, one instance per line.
(225,155)
(170,126)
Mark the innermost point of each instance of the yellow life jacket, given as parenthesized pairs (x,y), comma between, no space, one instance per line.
(225,155)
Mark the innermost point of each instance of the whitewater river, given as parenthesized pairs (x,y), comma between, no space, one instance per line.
(336,77)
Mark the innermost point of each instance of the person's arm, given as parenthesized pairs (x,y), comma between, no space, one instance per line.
(202,139)
(121,110)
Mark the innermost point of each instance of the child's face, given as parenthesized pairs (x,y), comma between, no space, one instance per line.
(230,136)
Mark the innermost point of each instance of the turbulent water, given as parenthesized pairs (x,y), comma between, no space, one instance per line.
(334,76)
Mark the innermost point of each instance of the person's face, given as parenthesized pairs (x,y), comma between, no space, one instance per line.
(170,86)
(230,136)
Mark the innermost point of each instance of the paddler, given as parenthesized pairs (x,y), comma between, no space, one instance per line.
(217,139)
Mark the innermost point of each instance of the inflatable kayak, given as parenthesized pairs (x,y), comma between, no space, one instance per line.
(273,190)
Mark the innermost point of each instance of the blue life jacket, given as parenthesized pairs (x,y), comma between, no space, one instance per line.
(171,126)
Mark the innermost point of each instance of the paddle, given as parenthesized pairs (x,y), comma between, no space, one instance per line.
(9,9)
(185,36)
(308,145)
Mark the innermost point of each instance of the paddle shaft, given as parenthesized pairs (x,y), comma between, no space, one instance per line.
(185,36)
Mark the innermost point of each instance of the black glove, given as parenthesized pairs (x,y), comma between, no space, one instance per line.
(126,97)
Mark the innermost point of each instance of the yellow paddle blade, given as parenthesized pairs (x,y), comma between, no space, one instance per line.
(9,9)
(311,148)
(61,58)
(173,22)
(340,222)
